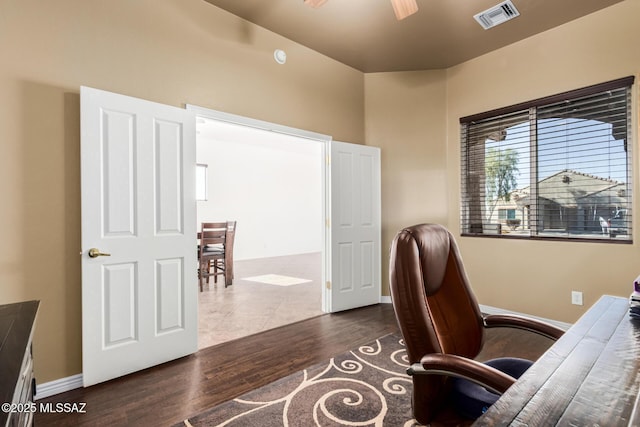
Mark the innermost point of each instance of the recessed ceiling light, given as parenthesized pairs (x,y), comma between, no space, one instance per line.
(280,56)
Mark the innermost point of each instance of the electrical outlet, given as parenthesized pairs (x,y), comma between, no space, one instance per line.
(576,297)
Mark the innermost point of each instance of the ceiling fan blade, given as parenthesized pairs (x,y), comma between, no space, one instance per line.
(404,8)
(315,3)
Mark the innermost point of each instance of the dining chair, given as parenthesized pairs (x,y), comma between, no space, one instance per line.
(443,327)
(215,252)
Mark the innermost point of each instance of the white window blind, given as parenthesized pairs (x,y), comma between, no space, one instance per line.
(562,163)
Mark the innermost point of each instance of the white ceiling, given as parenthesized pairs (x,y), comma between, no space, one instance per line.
(365,34)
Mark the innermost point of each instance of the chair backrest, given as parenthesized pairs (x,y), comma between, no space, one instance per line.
(218,234)
(212,233)
(230,237)
(436,309)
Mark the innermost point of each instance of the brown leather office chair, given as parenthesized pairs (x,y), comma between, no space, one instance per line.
(441,322)
(215,251)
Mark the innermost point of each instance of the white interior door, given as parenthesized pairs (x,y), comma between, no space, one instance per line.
(139,304)
(354,227)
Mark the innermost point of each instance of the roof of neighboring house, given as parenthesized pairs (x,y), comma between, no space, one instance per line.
(571,188)
(614,195)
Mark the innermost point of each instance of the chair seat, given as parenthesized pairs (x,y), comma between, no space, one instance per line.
(472,400)
(213,250)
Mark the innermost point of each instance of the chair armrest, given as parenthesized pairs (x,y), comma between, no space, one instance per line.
(461,367)
(521,322)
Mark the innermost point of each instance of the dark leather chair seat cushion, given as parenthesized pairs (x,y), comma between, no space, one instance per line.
(471,400)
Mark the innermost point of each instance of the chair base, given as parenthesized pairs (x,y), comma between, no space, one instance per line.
(204,273)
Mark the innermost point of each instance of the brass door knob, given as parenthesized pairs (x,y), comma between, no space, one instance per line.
(95,252)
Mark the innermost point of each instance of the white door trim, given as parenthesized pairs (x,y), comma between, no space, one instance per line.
(258,124)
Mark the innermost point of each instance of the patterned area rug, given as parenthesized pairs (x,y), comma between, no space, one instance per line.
(364,387)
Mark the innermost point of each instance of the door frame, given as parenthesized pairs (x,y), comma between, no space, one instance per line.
(325,140)
(325,173)
(327,231)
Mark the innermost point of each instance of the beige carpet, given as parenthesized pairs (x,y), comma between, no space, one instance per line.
(247,307)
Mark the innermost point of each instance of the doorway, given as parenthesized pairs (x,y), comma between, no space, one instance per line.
(271,184)
(138,206)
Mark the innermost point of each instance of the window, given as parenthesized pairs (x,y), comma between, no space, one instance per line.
(558,167)
(201,182)
(507,214)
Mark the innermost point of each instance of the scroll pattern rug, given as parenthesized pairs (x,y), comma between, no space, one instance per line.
(364,387)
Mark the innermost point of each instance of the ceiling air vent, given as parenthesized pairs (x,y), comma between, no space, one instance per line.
(497,15)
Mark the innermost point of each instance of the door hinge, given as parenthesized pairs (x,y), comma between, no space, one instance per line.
(327,223)
(328,160)
(328,284)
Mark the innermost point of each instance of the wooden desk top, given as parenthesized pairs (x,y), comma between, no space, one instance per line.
(16,327)
(589,377)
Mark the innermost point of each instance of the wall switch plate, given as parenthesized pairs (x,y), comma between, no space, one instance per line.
(576,297)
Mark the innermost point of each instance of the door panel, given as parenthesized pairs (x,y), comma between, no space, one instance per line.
(138,206)
(120,304)
(168,295)
(354,182)
(168,177)
(117,201)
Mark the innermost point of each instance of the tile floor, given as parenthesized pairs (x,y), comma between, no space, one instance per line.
(248,307)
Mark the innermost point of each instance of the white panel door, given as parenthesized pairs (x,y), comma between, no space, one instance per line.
(139,303)
(354,226)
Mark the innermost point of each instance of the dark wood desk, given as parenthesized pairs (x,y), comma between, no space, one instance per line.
(589,377)
(16,363)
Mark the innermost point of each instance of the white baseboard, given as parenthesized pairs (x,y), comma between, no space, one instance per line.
(487,309)
(58,386)
(494,310)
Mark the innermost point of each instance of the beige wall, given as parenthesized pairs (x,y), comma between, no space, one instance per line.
(170,51)
(411,116)
(405,117)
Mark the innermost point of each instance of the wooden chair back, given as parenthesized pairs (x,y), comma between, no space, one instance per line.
(212,234)
(215,250)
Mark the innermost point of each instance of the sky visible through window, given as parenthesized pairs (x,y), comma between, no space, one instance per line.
(585,146)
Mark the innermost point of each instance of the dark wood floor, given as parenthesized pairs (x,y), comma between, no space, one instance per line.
(170,393)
